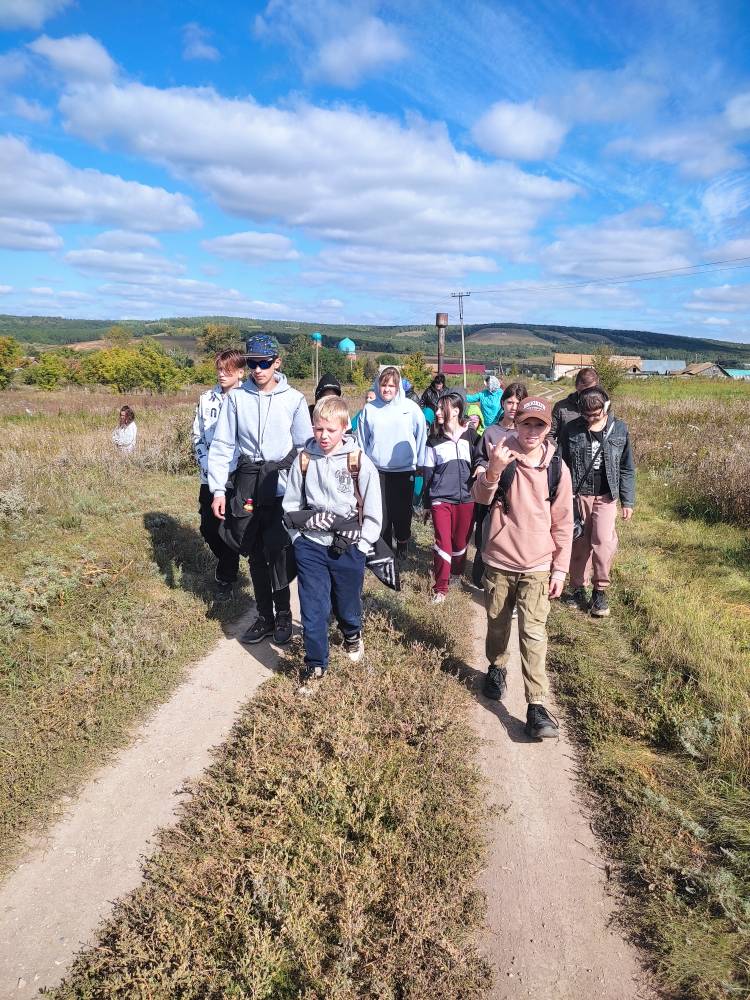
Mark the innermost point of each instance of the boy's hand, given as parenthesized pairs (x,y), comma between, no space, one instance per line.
(627,513)
(500,456)
(219,506)
(555,588)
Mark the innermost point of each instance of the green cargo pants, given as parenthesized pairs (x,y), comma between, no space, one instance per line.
(529,592)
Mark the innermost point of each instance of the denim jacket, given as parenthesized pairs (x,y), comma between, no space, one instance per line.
(575,445)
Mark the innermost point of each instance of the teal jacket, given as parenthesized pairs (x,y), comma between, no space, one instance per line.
(490,403)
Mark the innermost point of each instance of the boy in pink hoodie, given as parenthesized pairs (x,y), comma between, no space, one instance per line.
(526,552)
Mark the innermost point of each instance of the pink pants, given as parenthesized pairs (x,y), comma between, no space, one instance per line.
(594,552)
(453,523)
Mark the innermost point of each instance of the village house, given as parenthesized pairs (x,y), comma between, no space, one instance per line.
(571,364)
(703,369)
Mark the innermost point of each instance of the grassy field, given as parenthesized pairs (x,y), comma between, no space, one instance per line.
(659,695)
(104,592)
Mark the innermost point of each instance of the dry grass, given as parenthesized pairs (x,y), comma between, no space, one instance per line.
(331,850)
(104,589)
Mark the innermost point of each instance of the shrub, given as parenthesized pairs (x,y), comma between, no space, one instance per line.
(10,359)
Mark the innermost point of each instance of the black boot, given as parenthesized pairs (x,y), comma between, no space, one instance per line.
(540,725)
(495,683)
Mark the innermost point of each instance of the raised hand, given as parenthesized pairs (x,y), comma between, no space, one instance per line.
(500,456)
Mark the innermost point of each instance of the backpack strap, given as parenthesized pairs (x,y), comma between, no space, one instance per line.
(304,463)
(353,465)
(504,484)
(554,474)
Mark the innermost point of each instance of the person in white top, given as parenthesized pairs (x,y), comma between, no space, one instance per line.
(230,367)
(125,433)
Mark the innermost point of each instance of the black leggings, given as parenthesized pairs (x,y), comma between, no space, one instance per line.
(397,497)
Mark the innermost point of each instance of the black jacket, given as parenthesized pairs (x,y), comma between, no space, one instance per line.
(430,396)
(447,470)
(563,412)
(575,447)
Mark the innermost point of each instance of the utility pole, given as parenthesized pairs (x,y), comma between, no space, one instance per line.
(460,296)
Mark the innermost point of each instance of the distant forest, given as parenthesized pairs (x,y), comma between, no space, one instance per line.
(534,343)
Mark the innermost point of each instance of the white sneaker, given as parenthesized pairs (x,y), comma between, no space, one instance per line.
(354,648)
(437,599)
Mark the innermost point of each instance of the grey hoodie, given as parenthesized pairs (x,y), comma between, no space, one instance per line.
(264,426)
(329,487)
(393,434)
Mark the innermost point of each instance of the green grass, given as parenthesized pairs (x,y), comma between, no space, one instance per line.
(659,696)
(103,590)
(331,850)
(700,391)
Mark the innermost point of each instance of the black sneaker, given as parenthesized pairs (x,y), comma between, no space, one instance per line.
(577,599)
(495,683)
(540,725)
(282,633)
(599,604)
(222,591)
(259,630)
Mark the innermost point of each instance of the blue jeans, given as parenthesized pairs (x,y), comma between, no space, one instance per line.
(320,578)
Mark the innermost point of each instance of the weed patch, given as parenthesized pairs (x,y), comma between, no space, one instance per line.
(330,852)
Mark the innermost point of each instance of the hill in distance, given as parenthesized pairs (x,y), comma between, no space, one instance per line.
(533,343)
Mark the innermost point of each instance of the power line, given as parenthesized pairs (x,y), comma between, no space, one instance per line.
(686,271)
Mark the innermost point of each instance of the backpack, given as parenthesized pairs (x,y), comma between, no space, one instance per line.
(554,472)
(353,462)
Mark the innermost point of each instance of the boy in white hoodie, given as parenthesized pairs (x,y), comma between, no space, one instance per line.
(331,483)
(267,422)
(229,368)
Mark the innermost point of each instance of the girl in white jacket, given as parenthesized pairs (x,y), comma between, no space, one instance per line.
(125,433)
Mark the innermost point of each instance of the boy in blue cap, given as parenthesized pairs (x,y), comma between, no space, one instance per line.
(266,422)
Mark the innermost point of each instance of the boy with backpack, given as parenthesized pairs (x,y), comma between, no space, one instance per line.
(230,366)
(267,422)
(332,509)
(526,547)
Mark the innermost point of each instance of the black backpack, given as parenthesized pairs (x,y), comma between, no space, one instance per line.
(554,472)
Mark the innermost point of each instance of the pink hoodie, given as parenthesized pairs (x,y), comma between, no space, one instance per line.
(535,535)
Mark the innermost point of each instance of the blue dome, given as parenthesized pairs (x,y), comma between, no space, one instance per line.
(347,346)
(317,335)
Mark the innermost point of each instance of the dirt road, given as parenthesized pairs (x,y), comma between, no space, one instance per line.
(51,904)
(549,930)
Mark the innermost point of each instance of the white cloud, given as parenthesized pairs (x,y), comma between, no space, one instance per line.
(76,57)
(27,234)
(121,239)
(196,45)
(332,304)
(252,247)
(620,245)
(29,13)
(42,290)
(120,262)
(414,267)
(738,112)
(723,298)
(348,59)
(609,95)
(13,66)
(717,321)
(157,295)
(32,111)
(6,289)
(340,174)
(730,250)
(44,186)
(519,132)
(701,151)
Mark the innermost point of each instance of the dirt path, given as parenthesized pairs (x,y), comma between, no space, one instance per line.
(549,921)
(51,904)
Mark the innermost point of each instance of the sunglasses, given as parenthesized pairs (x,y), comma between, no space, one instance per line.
(594,416)
(264,363)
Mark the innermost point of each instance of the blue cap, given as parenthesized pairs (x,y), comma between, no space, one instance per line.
(262,346)
(406,385)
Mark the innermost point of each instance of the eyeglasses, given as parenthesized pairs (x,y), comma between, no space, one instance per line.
(596,415)
(264,363)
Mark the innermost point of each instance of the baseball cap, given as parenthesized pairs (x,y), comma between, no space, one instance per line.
(262,345)
(533,407)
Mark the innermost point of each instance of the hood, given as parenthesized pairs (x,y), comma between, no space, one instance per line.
(379,401)
(327,382)
(347,445)
(281,386)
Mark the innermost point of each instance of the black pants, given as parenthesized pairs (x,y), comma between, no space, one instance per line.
(229,560)
(396,494)
(477,571)
(267,600)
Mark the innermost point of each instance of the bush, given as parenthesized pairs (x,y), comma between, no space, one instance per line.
(10,359)
(610,374)
(49,372)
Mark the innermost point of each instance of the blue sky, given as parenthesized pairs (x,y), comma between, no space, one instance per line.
(358,161)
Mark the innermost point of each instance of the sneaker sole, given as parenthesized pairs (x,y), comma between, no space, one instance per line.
(600,614)
(548,733)
(283,641)
(251,641)
(355,657)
